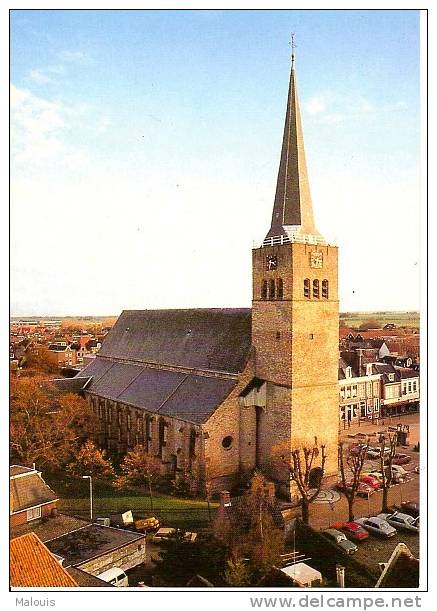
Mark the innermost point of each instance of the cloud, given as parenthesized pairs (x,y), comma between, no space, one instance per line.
(39,132)
(316,105)
(42,76)
(330,107)
(74,56)
(39,76)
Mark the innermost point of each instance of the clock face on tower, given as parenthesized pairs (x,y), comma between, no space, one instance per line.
(316,259)
(271,262)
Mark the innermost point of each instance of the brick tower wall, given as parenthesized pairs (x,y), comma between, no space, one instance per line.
(296,347)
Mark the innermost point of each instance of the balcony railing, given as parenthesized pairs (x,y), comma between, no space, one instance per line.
(289,239)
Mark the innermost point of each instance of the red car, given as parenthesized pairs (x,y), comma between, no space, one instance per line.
(401,459)
(355,531)
(371,481)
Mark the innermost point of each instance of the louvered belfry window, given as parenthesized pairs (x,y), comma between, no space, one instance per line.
(325,289)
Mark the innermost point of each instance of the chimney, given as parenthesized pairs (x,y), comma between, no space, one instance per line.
(225,499)
(340,575)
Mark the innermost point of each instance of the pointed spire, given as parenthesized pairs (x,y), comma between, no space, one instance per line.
(293,210)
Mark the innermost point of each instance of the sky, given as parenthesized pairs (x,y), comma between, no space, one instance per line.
(145,147)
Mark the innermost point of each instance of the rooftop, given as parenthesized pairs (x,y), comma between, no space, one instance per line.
(89,542)
(29,490)
(32,565)
(51,528)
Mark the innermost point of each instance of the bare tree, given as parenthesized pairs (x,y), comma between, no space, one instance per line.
(355,462)
(387,443)
(300,466)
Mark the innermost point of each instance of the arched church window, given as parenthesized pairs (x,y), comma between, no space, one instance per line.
(316,289)
(264,289)
(280,291)
(306,288)
(272,289)
(325,289)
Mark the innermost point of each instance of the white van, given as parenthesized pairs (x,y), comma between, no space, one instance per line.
(115,576)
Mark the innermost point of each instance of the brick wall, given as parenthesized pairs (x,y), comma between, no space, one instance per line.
(21,518)
(296,343)
(125,558)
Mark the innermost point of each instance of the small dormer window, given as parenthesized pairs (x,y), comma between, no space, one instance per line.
(348,372)
(391,377)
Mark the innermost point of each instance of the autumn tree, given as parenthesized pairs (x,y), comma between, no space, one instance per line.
(139,469)
(90,460)
(46,427)
(255,533)
(36,361)
(388,445)
(301,466)
(354,461)
(237,573)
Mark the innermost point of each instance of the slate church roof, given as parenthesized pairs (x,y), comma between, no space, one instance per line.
(180,363)
(207,339)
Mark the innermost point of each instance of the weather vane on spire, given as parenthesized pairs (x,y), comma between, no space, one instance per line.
(293,46)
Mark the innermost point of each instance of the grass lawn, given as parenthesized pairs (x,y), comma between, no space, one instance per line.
(171,510)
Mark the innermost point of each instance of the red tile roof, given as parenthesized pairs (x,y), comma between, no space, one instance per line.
(32,565)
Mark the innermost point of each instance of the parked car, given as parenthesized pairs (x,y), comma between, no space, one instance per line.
(147,524)
(401,520)
(370,452)
(164,534)
(115,576)
(401,459)
(411,508)
(396,476)
(355,531)
(341,540)
(400,470)
(362,490)
(365,490)
(377,526)
(371,481)
(373,452)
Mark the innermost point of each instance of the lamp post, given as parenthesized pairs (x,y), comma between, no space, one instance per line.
(91,494)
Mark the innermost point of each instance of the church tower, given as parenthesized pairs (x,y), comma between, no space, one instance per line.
(295,319)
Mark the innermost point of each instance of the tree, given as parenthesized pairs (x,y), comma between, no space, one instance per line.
(90,460)
(369,324)
(254,533)
(180,560)
(47,427)
(36,361)
(300,468)
(355,462)
(387,443)
(237,573)
(139,469)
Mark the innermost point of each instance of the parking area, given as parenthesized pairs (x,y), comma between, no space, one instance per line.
(375,549)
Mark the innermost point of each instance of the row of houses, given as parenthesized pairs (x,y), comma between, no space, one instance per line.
(376,390)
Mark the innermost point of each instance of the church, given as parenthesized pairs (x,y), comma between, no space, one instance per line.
(215,392)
